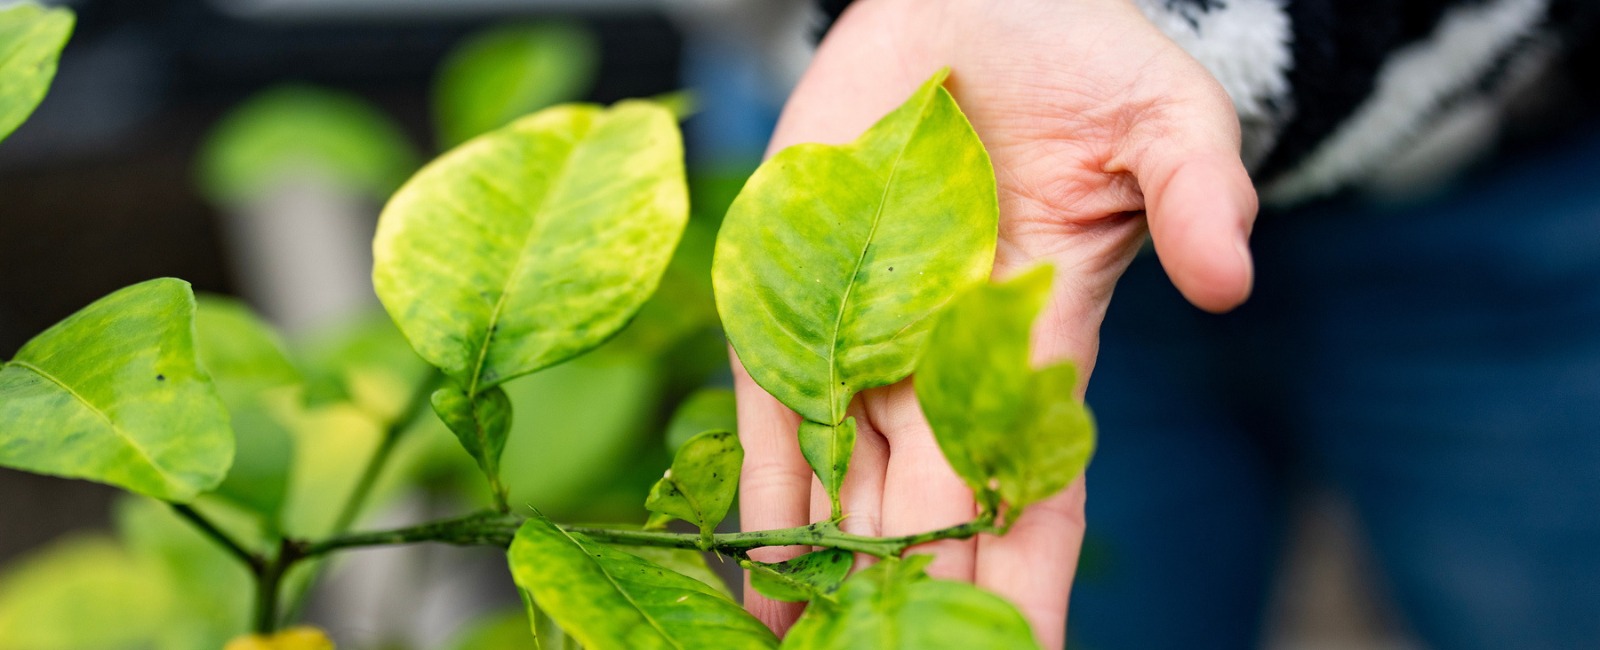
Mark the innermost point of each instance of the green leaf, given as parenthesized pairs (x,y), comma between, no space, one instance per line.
(804,578)
(833,259)
(246,359)
(1008,430)
(482,424)
(827,449)
(684,561)
(611,600)
(706,409)
(894,605)
(506,72)
(300,131)
(700,486)
(533,244)
(31,38)
(114,394)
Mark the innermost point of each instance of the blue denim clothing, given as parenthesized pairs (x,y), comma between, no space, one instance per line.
(1437,364)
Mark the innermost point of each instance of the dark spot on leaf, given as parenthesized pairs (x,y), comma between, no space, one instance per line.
(891,269)
(161,377)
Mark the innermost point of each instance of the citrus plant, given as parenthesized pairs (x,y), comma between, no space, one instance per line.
(837,269)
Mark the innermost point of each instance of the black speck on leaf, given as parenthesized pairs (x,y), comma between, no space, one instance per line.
(161,377)
(891,269)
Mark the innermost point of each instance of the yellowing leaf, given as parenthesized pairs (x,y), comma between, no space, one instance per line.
(31,38)
(894,605)
(1009,431)
(114,394)
(833,259)
(532,244)
(700,486)
(611,600)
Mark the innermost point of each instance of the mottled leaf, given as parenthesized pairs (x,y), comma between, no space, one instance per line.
(827,449)
(114,394)
(1010,431)
(687,562)
(894,605)
(833,259)
(482,424)
(804,578)
(31,38)
(534,243)
(293,131)
(706,409)
(700,486)
(611,600)
(506,72)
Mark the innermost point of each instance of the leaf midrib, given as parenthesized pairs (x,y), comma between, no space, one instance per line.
(861,260)
(620,591)
(124,435)
(558,181)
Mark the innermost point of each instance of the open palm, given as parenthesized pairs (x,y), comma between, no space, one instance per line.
(1093,120)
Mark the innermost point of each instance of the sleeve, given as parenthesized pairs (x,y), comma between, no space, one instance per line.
(1339,93)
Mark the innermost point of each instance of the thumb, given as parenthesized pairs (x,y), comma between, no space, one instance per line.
(1200,205)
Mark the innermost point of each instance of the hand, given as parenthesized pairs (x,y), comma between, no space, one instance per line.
(1099,128)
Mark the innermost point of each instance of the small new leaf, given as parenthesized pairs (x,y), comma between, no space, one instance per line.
(1011,432)
(611,600)
(532,244)
(31,38)
(894,605)
(482,424)
(804,578)
(115,394)
(828,449)
(700,486)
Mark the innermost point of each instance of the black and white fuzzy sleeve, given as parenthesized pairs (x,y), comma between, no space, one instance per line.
(1383,94)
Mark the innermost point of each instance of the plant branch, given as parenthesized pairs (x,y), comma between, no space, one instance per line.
(268,582)
(494,529)
(223,539)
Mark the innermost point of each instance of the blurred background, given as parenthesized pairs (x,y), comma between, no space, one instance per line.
(246,146)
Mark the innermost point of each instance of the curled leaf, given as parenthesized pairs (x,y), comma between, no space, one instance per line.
(1011,432)
(482,424)
(804,578)
(700,486)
